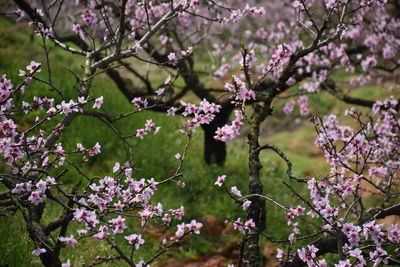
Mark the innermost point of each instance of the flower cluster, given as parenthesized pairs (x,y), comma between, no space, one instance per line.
(239,89)
(100,210)
(238,14)
(228,132)
(245,227)
(149,126)
(357,158)
(203,114)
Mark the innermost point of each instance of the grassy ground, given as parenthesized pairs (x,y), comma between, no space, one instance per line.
(154,156)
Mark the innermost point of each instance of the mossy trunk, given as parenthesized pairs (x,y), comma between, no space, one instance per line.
(257,209)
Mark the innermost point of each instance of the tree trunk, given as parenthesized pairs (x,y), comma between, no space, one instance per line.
(36,232)
(257,209)
(214,150)
(50,260)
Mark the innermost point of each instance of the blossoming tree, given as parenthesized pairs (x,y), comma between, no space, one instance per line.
(281,48)
(226,24)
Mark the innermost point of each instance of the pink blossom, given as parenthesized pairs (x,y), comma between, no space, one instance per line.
(41,186)
(156,130)
(89,17)
(220,180)
(79,147)
(235,191)
(178,213)
(38,251)
(39,12)
(168,80)
(369,63)
(393,233)
(289,107)
(22,73)
(81,232)
(36,197)
(188,51)
(171,111)
(69,241)
(228,132)
(149,124)
(96,149)
(66,264)
(76,28)
(116,167)
(378,256)
(19,188)
(141,133)
(67,107)
(102,233)
(180,230)
(344,263)
(34,67)
(82,100)
(135,240)
(98,102)
(246,204)
(303,103)
(171,56)
(249,224)
(160,91)
(20,14)
(194,226)
(118,225)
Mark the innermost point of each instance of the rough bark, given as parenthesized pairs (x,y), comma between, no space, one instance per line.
(49,259)
(37,233)
(257,209)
